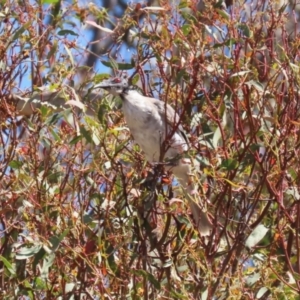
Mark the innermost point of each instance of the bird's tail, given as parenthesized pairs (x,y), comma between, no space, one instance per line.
(184,172)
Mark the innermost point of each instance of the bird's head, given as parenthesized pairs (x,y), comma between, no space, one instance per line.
(114,85)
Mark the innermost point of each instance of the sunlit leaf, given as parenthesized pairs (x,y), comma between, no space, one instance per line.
(50,1)
(186,29)
(8,265)
(204,295)
(15,164)
(252,279)
(183,4)
(135,79)
(70,55)
(76,103)
(27,252)
(94,24)
(257,85)
(154,8)
(100,77)
(47,264)
(261,292)
(216,138)
(241,73)
(256,236)
(168,263)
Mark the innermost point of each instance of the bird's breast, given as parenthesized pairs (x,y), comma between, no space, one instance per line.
(145,128)
(148,129)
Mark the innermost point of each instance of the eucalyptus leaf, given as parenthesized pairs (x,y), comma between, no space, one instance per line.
(8,265)
(256,236)
(26,252)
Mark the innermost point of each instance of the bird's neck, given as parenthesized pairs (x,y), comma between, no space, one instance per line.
(129,91)
(130,88)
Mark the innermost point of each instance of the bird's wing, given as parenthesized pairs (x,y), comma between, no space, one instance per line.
(167,112)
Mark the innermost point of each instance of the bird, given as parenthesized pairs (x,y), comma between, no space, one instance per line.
(155,127)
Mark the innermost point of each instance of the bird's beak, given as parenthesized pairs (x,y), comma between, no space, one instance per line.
(104,84)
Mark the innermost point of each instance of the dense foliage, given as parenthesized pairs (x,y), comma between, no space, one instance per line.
(83,216)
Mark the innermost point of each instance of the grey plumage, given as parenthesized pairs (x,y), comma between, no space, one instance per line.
(155,127)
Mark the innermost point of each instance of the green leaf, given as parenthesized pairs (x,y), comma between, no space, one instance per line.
(67,31)
(86,134)
(75,140)
(189,17)
(135,79)
(52,50)
(230,42)
(204,162)
(178,296)
(47,263)
(91,181)
(15,164)
(145,35)
(100,77)
(117,66)
(148,276)
(39,283)
(87,219)
(186,29)
(181,74)
(125,66)
(229,164)
(245,30)
(120,146)
(44,111)
(111,258)
(223,13)
(55,135)
(50,1)
(26,289)
(110,64)
(38,257)
(102,112)
(218,4)
(183,4)
(8,265)
(184,220)
(51,120)
(56,240)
